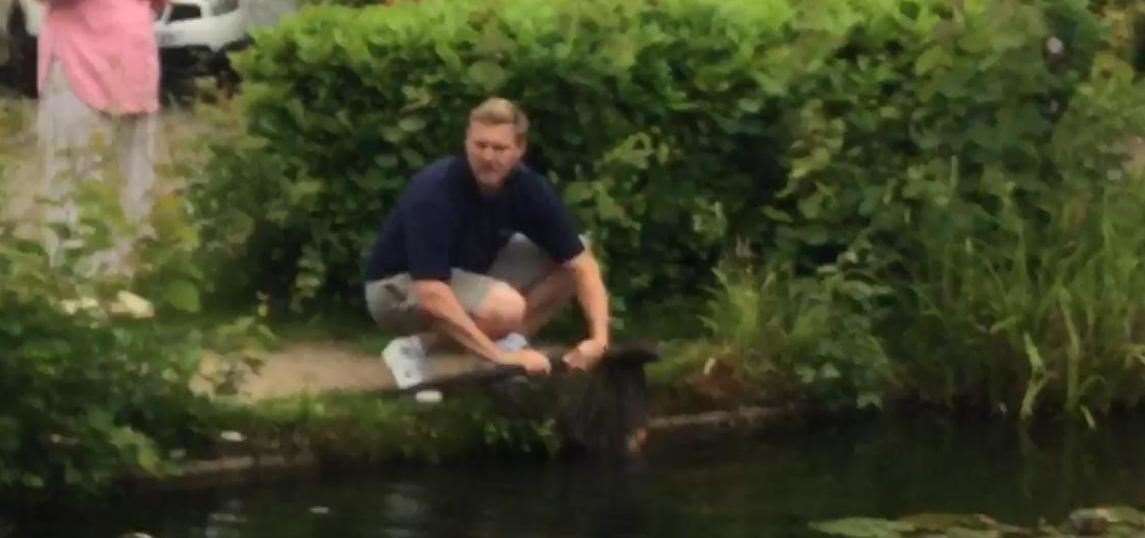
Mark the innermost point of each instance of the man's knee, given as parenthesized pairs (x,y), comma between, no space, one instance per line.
(501,312)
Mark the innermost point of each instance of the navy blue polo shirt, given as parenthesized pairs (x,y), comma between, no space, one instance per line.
(442,221)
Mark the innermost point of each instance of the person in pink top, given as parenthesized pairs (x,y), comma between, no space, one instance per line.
(99,94)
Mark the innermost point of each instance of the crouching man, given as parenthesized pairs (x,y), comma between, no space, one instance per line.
(479,250)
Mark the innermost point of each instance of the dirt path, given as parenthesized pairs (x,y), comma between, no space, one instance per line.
(315,367)
(326,366)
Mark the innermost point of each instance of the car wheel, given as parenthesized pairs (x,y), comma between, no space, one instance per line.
(22,55)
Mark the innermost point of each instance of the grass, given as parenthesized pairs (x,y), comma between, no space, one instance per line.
(1050,308)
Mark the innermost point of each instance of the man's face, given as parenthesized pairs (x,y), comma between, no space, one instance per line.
(493,151)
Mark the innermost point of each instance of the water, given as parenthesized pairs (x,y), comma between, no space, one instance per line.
(762,486)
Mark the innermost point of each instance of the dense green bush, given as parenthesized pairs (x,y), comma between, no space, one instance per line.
(804,336)
(944,109)
(1019,292)
(1033,298)
(90,387)
(880,133)
(669,125)
(1126,22)
(655,120)
(96,378)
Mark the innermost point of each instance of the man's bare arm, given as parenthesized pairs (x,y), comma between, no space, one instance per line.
(440,303)
(593,299)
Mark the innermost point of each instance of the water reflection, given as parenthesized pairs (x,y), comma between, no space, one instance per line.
(767,486)
(227,522)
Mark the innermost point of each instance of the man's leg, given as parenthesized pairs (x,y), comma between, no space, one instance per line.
(545,299)
(500,312)
(392,307)
(496,307)
(545,285)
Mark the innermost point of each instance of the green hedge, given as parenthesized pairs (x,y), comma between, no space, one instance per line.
(1126,21)
(91,390)
(937,188)
(676,129)
(97,380)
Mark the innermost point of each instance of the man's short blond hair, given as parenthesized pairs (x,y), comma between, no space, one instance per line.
(500,111)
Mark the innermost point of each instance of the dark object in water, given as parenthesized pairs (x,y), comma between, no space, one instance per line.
(603,412)
(610,414)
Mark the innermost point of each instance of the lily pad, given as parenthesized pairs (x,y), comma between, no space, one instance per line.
(1113,520)
(963,532)
(963,525)
(863,527)
(940,522)
(1125,515)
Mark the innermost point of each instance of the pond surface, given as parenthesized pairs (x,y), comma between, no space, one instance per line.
(769,485)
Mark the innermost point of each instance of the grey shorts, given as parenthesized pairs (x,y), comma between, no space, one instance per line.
(520,264)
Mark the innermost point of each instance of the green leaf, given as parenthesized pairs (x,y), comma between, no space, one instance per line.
(1037,380)
(777,215)
(304,190)
(621,50)
(750,105)
(386,160)
(183,295)
(811,206)
(829,371)
(488,75)
(578,191)
(448,56)
(411,124)
(412,157)
(393,134)
(933,57)
(869,399)
(806,374)
(32,481)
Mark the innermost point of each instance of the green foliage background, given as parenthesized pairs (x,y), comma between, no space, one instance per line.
(97,387)
(672,127)
(871,163)
(876,199)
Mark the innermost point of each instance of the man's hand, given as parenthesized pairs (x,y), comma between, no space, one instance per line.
(585,355)
(531,360)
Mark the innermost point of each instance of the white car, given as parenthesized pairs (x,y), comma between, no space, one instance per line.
(193,35)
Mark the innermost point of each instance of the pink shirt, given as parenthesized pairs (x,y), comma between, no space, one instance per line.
(107,50)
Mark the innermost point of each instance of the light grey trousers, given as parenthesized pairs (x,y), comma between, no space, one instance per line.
(79,143)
